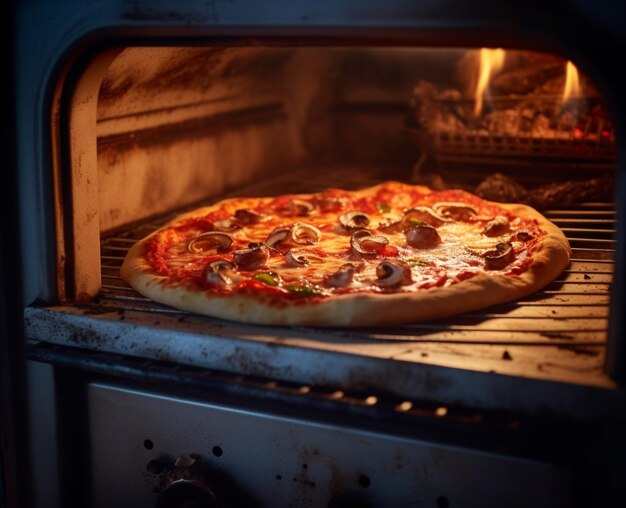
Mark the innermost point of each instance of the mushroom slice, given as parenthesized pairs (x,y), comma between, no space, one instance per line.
(423,236)
(305,234)
(301,257)
(219,273)
(499,258)
(363,242)
(277,236)
(252,258)
(422,214)
(209,240)
(393,273)
(354,220)
(247,216)
(228,224)
(456,211)
(342,277)
(301,207)
(496,227)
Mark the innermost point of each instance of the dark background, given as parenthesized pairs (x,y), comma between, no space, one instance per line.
(13,443)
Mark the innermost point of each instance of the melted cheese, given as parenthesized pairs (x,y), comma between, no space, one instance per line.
(457,257)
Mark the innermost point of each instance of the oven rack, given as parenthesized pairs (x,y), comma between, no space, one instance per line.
(557,335)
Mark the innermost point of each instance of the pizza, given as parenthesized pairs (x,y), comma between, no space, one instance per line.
(389,254)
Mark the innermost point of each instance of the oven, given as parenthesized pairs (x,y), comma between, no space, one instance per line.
(129,113)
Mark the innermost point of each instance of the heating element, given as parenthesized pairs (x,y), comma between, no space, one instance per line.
(558,334)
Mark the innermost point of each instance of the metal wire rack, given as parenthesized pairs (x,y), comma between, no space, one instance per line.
(557,334)
(574,307)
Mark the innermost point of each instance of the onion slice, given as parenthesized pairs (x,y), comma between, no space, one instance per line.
(209,240)
(228,224)
(300,207)
(363,242)
(422,214)
(304,234)
(456,211)
(301,257)
(354,220)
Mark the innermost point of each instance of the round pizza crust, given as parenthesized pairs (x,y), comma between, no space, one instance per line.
(550,257)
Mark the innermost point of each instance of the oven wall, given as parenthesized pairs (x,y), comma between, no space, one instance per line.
(177,125)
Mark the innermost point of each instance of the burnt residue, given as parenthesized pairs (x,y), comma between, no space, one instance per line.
(140,78)
(556,335)
(579,350)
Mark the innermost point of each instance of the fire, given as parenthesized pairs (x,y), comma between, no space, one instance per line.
(491,61)
(572,82)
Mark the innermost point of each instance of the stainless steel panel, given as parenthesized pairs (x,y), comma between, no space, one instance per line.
(287,462)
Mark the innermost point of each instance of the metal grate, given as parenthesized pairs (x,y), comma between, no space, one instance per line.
(572,310)
(557,334)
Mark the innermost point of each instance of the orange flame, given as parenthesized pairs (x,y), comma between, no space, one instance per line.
(491,61)
(572,82)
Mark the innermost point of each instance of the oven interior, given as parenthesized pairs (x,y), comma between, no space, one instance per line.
(158,130)
(145,133)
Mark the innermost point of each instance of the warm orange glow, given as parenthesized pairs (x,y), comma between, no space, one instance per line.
(491,61)
(572,82)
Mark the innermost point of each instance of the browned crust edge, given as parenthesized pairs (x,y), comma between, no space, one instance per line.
(550,257)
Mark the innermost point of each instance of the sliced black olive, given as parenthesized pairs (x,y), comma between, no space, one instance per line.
(423,236)
(252,258)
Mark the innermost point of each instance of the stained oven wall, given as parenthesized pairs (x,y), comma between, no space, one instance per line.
(176,125)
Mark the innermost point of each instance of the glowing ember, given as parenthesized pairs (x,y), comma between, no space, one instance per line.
(491,61)
(572,82)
